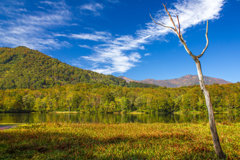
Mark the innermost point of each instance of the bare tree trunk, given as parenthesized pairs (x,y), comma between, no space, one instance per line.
(213,128)
(216,142)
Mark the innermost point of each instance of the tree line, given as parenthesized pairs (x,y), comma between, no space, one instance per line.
(98,97)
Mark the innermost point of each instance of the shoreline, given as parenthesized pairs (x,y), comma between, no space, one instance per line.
(5,127)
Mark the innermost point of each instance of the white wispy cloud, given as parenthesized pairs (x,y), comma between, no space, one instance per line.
(119,63)
(96,36)
(84,46)
(147,54)
(92,7)
(111,55)
(191,12)
(31,28)
(115,56)
(12,8)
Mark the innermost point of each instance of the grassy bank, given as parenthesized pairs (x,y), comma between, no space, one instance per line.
(117,141)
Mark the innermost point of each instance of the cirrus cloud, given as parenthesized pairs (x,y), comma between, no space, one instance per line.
(28,28)
(92,8)
(115,56)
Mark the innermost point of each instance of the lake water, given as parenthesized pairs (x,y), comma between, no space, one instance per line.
(112,118)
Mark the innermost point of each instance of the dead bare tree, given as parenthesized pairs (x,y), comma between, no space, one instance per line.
(177,30)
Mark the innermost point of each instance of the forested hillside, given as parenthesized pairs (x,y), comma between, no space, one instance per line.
(28,69)
(102,98)
(22,67)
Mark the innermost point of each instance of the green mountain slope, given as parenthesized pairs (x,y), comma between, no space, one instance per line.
(22,67)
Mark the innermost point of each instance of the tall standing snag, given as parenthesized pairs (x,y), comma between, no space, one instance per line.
(177,31)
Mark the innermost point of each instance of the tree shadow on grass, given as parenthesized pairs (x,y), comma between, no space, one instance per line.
(56,145)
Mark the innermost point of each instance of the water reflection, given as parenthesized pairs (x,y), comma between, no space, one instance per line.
(112,118)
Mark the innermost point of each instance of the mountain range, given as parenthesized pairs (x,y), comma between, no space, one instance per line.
(22,67)
(187,80)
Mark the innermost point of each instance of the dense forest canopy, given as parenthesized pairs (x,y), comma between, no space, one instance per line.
(110,98)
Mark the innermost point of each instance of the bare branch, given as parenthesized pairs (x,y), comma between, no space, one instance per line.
(161,23)
(178,32)
(179,27)
(207,41)
(187,49)
(170,18)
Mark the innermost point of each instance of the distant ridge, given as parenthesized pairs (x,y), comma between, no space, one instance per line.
(128,80)
(187,80)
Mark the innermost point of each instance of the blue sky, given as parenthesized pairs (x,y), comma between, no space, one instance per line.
(118,37)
